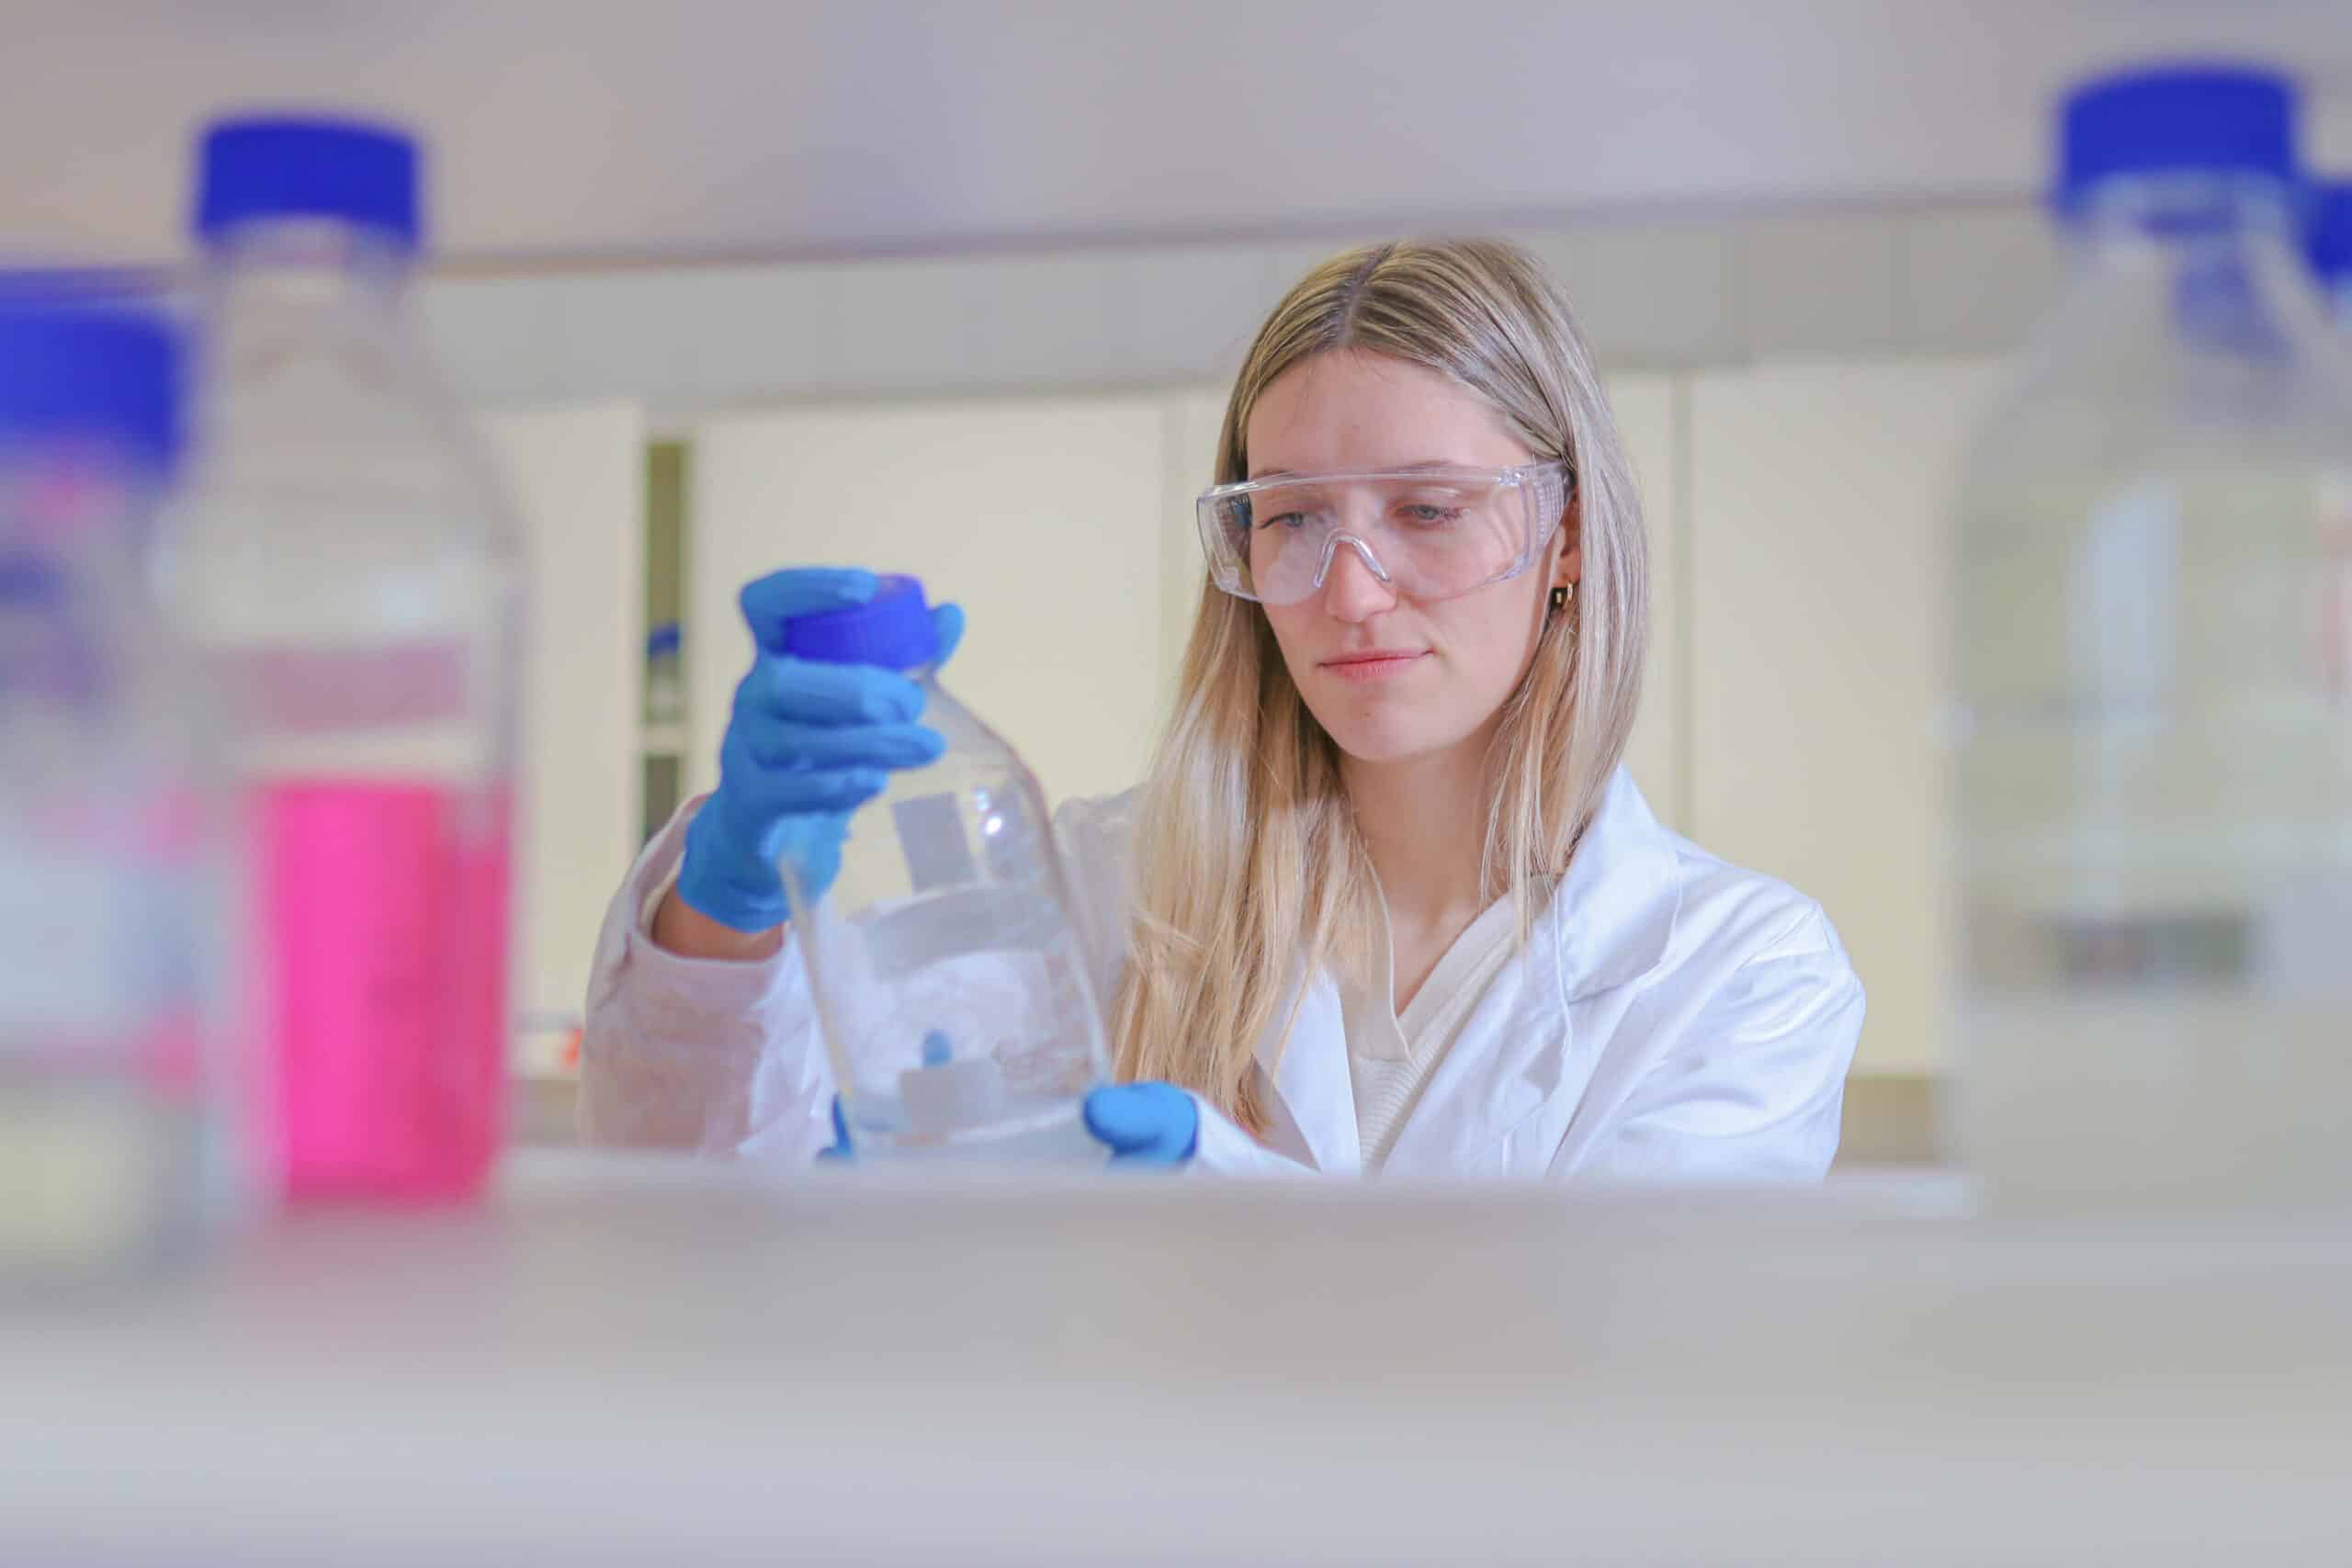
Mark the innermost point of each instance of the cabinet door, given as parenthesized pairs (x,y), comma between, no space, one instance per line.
(1042,517)
(1819,596)
(576,476)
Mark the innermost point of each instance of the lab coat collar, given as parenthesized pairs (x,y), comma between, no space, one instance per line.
(1314,1089)
(1613,913)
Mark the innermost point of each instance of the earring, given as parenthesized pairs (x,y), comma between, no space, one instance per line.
(1562,594)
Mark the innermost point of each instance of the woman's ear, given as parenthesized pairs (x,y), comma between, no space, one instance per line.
(1568,557)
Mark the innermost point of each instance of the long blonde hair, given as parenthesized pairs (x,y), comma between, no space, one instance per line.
(1249,870)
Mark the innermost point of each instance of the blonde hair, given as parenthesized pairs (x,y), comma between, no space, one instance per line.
(1249,869)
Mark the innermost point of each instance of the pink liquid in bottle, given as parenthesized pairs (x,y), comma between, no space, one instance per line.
(385,906)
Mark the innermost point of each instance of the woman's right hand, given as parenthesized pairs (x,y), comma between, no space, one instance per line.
(806,744)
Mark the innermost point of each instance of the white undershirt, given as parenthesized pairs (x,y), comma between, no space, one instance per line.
(1389,1057)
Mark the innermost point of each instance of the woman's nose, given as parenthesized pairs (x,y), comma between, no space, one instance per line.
(1352,589)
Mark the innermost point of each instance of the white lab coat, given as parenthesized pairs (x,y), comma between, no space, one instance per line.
(1671,1019)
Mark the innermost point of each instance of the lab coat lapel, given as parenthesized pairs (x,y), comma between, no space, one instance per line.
(1312,1088)
(1607,924)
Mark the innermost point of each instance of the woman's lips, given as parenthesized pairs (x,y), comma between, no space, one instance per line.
(1379,665)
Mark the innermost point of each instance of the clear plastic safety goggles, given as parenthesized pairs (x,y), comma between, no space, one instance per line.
(1430,533)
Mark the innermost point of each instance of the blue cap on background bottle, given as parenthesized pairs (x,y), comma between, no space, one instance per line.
(2224,118)
(75,374)
(893,629)
(2330,237)
(306,166)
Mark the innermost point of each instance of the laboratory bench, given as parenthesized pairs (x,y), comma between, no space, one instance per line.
(626,1359)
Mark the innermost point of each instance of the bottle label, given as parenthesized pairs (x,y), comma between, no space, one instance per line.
(101,923)
(386,909)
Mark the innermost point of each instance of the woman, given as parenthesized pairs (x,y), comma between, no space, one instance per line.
(1387,901)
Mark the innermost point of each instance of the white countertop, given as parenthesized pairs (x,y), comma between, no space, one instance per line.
(626,1359)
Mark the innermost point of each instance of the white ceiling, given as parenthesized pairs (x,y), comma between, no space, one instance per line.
(601,132)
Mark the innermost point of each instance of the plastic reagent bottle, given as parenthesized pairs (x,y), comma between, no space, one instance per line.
(353,575)
(117,1079)
(951,981)
(2154,663)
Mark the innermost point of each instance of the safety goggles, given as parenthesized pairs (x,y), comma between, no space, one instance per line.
(1429,533)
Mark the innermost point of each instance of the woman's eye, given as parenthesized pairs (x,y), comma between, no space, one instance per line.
(1428,514)
(1292,521)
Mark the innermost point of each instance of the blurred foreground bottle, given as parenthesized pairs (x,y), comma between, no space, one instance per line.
(115,871)
(2155,720)
(350,570)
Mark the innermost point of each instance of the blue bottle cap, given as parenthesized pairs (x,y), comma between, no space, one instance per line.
(892,630)
(76,374)
(303,166)
(2224,118)
(2330,236)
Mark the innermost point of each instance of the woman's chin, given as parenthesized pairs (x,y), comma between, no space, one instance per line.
(1384,738)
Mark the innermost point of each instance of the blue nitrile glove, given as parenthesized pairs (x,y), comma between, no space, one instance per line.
(1140,1124)
(839,1149)
(1145,1124)
(806,744)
